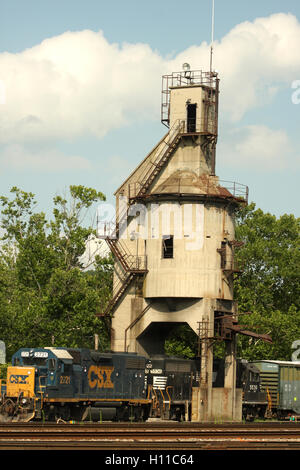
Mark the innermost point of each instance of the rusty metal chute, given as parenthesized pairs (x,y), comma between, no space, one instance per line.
(239,329)
(226,325)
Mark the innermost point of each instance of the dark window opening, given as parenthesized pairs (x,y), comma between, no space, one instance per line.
(168,246)
(222,252)
(34,361)
(52,364)
(191,117)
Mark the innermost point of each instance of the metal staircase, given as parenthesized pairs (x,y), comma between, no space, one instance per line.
(130,263)
(132,266)
(118,292)
(161,157)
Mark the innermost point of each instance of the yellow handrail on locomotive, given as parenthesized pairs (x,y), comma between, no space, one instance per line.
(163,397)
(167,392)
(156,400)
(40,389)
(153,396)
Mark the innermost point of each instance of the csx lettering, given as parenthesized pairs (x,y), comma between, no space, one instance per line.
(18,379)
(100,377)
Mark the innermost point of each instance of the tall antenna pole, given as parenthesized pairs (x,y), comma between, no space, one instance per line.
(212,34)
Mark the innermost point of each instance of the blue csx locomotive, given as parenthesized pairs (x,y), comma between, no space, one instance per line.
(79,384)
(53,383)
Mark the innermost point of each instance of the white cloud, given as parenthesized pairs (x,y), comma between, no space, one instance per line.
(254,60)
(78,83)
(19,158)
(257,148)
(74,84)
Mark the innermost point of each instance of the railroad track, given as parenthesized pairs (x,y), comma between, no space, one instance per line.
(150,436)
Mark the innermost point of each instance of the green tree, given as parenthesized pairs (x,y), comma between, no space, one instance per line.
(46,294)
(268,286)
(182,341)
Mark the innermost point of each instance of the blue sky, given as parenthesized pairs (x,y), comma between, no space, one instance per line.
(81,85)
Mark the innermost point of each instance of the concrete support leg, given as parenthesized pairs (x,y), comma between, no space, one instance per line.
(230,371)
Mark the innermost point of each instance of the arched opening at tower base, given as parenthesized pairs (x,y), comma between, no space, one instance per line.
(210,400)
(164,338)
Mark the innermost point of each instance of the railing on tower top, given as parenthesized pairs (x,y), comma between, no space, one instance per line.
(182,79)
(190,78)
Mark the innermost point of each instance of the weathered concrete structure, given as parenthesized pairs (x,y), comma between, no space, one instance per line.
(174,242)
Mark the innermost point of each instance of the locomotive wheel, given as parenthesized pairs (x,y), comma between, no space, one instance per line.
(63,413)
(138,414)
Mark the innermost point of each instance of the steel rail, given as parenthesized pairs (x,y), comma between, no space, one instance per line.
(108,436)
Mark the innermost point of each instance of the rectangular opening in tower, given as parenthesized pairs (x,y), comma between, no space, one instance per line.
(191,117)
(167,246)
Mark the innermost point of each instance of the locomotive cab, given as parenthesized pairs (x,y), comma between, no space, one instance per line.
(171,380)
(18,403)
(53,367)
(34,375)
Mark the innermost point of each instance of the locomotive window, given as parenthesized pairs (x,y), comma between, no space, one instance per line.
(52,364)
(35,361)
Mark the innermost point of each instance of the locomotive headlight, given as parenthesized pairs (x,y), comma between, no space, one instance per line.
(24,401)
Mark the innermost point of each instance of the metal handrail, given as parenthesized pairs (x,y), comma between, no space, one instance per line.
(183,79)
(190,78)
(174,132)
(169,396)
(201,125)
(236,190)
